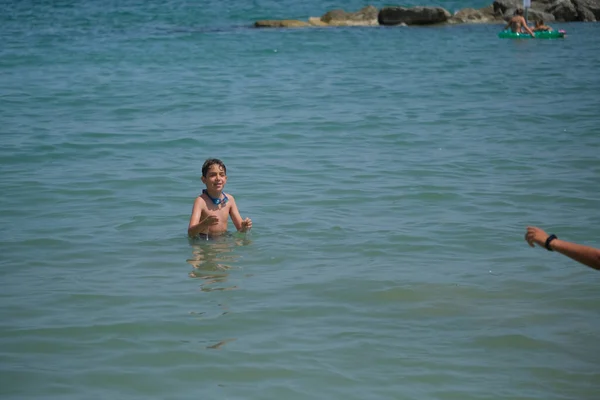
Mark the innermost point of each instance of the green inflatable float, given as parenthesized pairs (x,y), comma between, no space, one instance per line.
(538,35)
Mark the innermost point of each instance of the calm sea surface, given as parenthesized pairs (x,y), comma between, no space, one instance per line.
(389,172)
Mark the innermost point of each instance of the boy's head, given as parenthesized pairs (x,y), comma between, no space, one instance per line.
(519,11)
(539,22)
(209,163)
(214,175)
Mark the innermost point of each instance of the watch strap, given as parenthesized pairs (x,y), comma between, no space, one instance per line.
(550,239)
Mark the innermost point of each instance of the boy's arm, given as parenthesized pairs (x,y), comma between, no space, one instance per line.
(242,225)
(584,254)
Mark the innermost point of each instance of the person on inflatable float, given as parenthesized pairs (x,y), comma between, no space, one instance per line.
(517,23)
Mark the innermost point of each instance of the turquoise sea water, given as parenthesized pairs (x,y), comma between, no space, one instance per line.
(389,172)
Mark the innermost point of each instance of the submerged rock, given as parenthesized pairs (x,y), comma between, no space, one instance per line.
(281,23)
(366,16)
(316,21)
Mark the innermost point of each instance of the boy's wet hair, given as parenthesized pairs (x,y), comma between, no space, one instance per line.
(519,11)
(540,22)
(210,162)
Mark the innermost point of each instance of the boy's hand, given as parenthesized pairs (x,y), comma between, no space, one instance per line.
(210,220)
(246,225)
(535,235)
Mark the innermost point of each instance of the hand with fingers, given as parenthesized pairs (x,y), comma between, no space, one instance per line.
(210,220)
(535,235)
(246,225)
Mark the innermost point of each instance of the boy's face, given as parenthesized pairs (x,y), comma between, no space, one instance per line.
(215,178)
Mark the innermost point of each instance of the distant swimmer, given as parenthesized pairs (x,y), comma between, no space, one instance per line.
(517,23)
(540,27)
(213,207)
(586,255)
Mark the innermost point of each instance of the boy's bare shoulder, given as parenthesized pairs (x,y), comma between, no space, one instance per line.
(231,199)
(199,201)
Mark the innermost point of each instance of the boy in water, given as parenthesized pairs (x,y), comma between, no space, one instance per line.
(213,207)
(517,23)
(540,27)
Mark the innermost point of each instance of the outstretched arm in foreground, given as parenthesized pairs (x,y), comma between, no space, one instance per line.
(586,255)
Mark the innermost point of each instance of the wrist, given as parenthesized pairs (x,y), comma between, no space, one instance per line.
(548,242)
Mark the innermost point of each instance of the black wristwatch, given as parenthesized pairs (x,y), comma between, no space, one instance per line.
(550,239)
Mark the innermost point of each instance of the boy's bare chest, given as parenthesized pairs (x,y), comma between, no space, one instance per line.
(217,210)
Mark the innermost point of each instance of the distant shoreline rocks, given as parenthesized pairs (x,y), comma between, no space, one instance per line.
(366,16)
(497,12)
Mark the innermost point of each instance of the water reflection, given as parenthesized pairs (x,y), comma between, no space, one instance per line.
(213,259)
